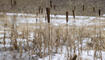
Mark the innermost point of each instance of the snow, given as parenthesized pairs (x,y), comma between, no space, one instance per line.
(18,14)
(63,55)
(56,20)
(103,14)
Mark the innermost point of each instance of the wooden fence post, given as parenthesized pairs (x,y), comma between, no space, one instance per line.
(50,3)
(83,8)
(99,12)
(73,14)
(48,14)
(39,9)
(66,16)
(93,9)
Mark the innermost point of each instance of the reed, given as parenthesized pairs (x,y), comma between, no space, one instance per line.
(44,38)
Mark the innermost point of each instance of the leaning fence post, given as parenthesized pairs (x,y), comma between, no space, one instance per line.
(48,14)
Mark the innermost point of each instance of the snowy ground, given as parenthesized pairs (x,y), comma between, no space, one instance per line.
(56,20)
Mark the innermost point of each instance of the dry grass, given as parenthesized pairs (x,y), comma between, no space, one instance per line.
(48,38)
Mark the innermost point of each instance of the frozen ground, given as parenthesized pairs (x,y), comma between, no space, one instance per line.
(10,55)
(56,20)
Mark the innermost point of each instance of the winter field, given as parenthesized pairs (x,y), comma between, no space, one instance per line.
(30,37)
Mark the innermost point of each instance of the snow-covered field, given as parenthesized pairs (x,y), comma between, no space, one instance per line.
(63,52)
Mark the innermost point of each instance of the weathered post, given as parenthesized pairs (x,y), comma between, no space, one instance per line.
(48,14)
(83,7)
(54,7)
(73,14)
(48,20)
(13,3)
(39,9)
(93,9)
(50,3)
(99,12)
(66,16)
